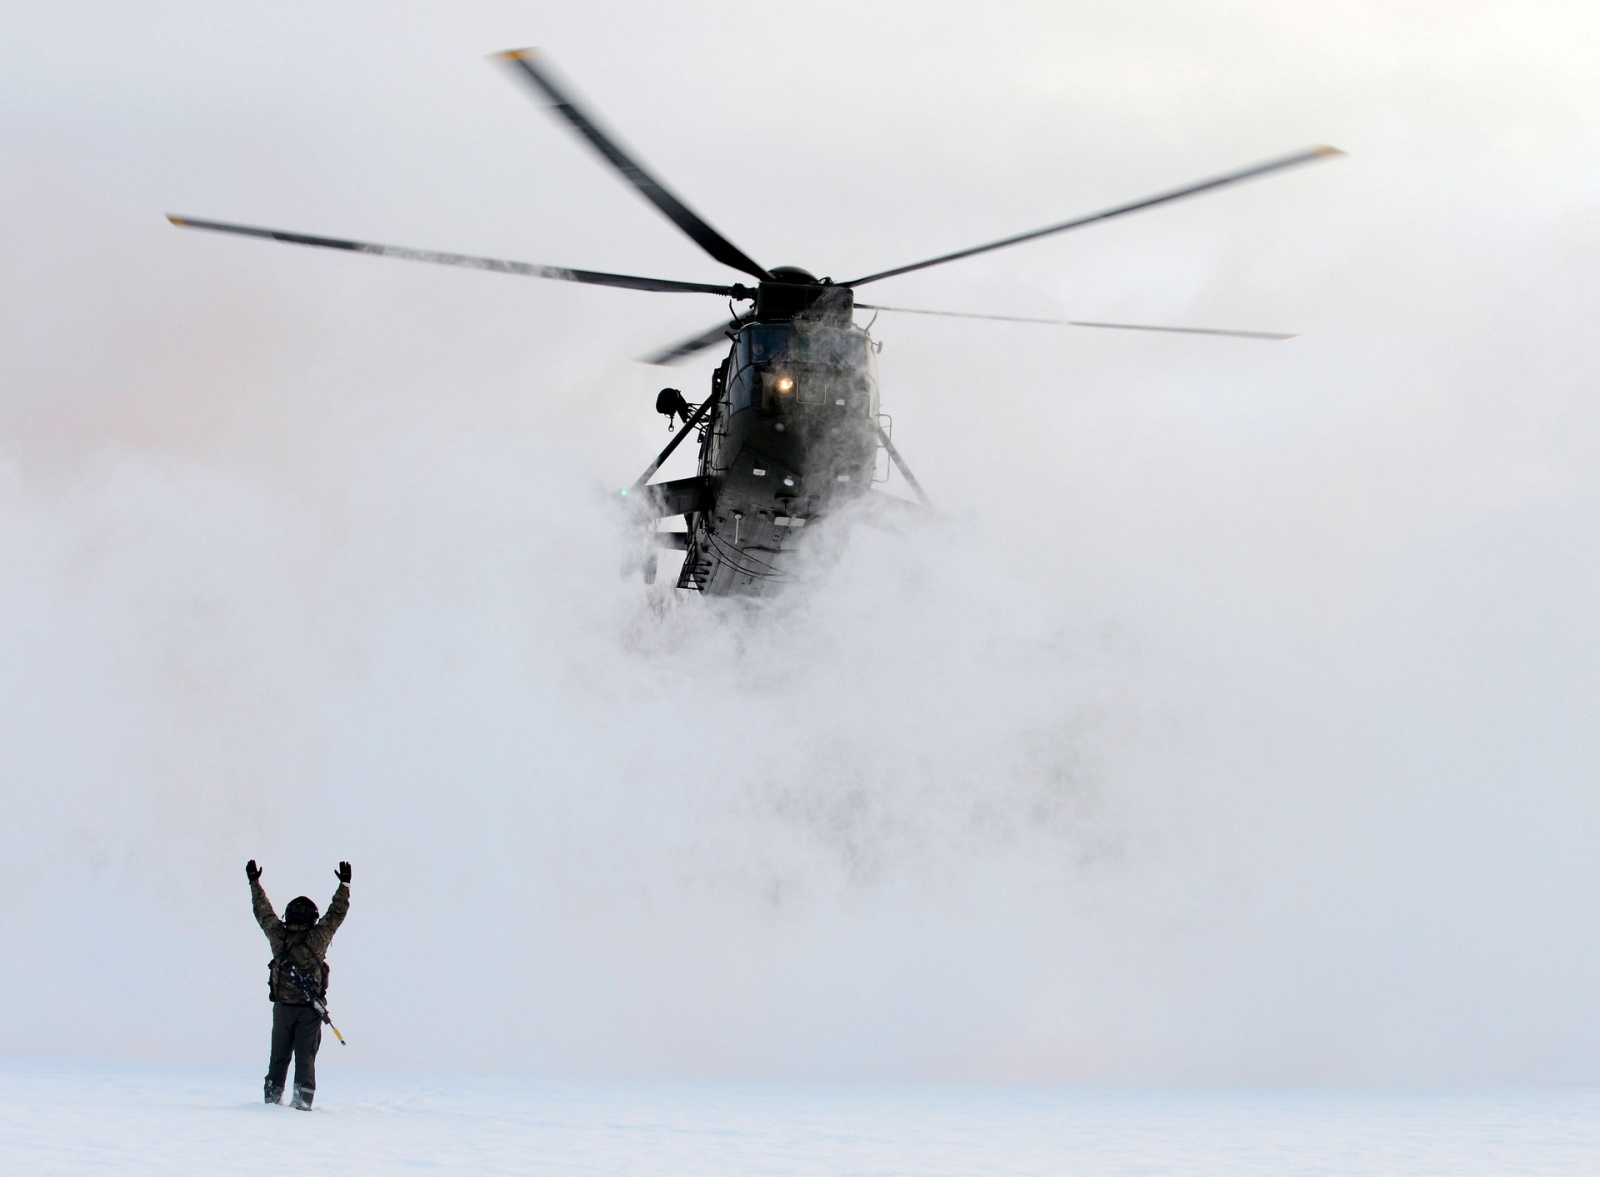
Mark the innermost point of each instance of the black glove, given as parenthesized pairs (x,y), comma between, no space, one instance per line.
(252,871)
(343,872)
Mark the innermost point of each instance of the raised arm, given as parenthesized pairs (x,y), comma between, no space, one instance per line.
(338,908)
(265,916)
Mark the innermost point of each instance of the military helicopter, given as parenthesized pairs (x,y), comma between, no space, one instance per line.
(791,431)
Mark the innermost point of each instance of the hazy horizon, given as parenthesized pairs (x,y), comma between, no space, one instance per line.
(1235,726)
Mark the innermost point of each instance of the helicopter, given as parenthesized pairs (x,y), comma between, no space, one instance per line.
(791,431)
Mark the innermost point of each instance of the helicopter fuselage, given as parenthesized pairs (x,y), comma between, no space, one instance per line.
(791,435)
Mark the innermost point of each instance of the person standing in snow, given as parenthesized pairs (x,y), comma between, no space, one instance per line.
(299,949)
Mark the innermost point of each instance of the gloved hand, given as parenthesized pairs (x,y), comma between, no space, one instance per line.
(343,872)
(252,871)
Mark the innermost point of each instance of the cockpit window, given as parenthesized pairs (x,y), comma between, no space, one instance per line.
(767,345)
(824,347)
(823,367)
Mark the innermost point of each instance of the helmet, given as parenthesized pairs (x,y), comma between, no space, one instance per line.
(301,910)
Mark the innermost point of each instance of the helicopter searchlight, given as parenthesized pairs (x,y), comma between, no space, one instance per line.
(791,428)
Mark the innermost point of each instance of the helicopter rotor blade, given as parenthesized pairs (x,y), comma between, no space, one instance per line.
(694,344)
(526,269)
(654,191)
(1309,155)
(1274,335)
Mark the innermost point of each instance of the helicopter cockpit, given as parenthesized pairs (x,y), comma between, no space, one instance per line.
(781,368)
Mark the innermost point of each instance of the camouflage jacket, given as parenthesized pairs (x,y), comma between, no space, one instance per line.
(306,946)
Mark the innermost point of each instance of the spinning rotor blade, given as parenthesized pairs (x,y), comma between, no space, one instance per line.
(654,191)
(1310,155)
(695,343)
(867,306)
(527,269)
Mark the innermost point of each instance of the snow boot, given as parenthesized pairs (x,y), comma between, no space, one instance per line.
(273,1092)
(303,1097)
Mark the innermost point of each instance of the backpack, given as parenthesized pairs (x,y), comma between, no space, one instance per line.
(313,970)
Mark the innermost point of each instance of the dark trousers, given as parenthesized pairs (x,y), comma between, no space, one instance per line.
(297,1030)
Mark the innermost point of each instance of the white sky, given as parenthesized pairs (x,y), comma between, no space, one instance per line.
(1237,728)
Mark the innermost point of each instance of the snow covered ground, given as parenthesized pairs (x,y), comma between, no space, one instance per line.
(60,1117)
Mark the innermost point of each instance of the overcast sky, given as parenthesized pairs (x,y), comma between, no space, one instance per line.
(1237,725)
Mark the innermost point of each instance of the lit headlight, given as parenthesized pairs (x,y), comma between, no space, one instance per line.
(778,390)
